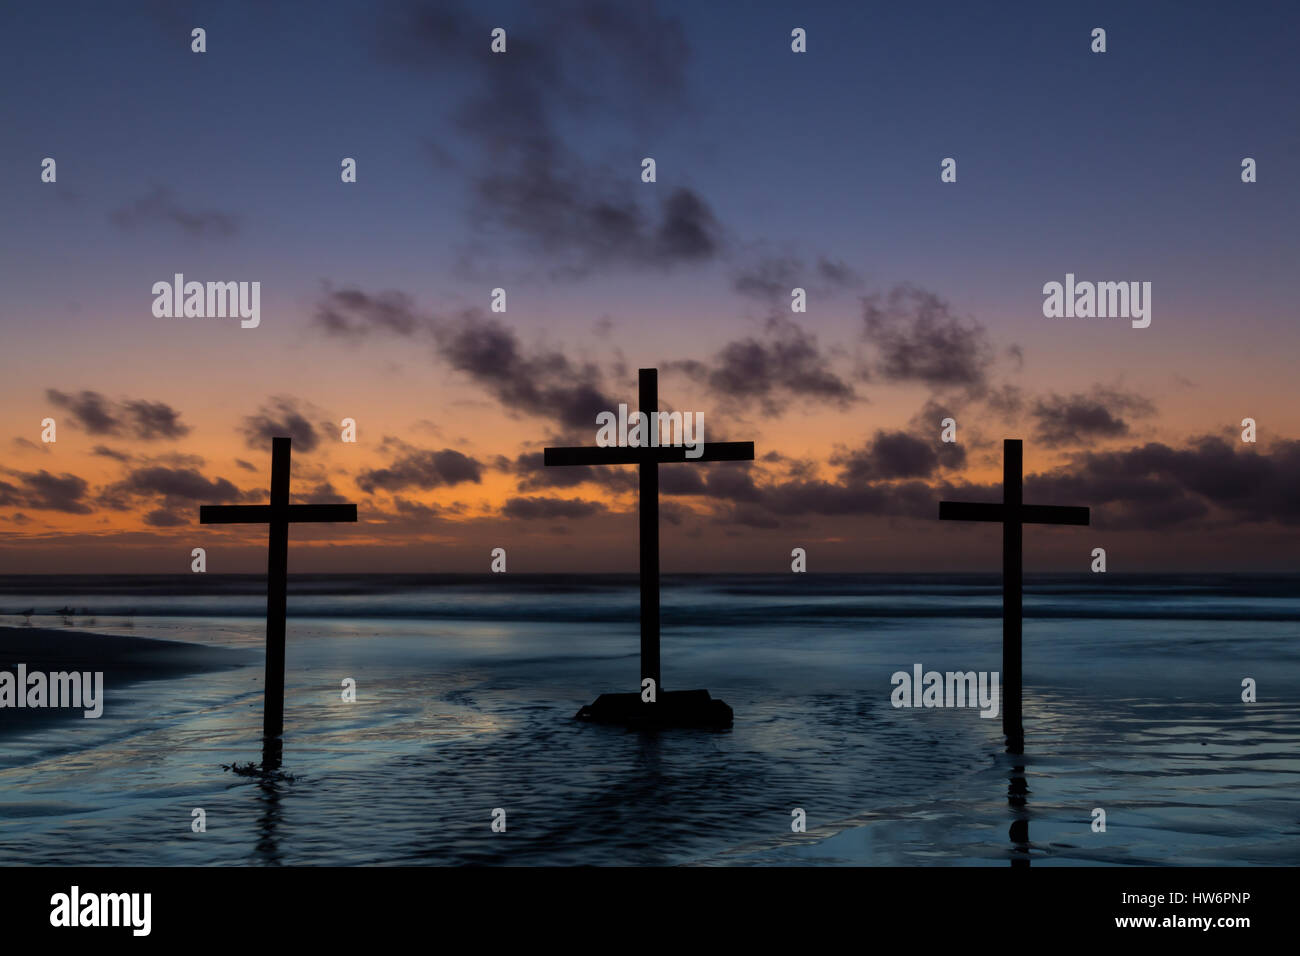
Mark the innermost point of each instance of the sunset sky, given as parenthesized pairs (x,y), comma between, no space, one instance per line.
(523,171)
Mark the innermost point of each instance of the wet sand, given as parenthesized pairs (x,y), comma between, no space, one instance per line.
(122,659)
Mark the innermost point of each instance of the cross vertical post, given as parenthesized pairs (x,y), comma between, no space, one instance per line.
(1014,514)
(278,515)
(1012,588)
(277,588)
(648,475)
(679,708)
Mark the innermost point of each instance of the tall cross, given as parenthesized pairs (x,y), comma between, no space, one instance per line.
(278,514)
(648,459)
(1013,513)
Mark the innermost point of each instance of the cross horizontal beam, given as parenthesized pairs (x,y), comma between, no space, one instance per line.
(264,514)
(637,455)
(1028,514)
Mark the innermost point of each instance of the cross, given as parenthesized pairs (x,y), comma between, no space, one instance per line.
(278,514)
(648,459)
(1013,513)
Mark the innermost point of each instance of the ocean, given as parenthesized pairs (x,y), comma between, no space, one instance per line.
(467,685)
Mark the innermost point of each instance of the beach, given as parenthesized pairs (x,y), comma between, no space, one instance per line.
(466,688)
(127,660)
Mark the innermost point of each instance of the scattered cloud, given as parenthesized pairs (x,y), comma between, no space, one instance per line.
(782,364)
(352,313)
(530,509)
(422,469)
(279,417)
(892,455)
(159,207)
(42,491)
(130,418)
(771,278)
(617,62)
(918,339)
(539,381)
(1083,419)
(186,484)
(1156,486)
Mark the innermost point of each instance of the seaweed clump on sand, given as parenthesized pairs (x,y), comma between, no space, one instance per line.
(252,769)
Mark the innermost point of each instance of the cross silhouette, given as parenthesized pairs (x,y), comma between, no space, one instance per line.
(278,514)
(1013,513)
(648,459)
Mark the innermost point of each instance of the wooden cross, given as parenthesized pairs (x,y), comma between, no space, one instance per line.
(278,514)
(648,459)
(1013,513)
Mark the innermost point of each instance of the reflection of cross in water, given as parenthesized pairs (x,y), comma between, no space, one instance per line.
(1018,799)
(278,514)
(648,459)
(1013,513)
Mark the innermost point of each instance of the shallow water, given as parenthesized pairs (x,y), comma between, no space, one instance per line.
(467,686)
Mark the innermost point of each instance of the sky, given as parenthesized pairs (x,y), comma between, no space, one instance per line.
(774,170)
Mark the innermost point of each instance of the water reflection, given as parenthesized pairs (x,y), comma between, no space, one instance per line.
(268,821)
(1018,800)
